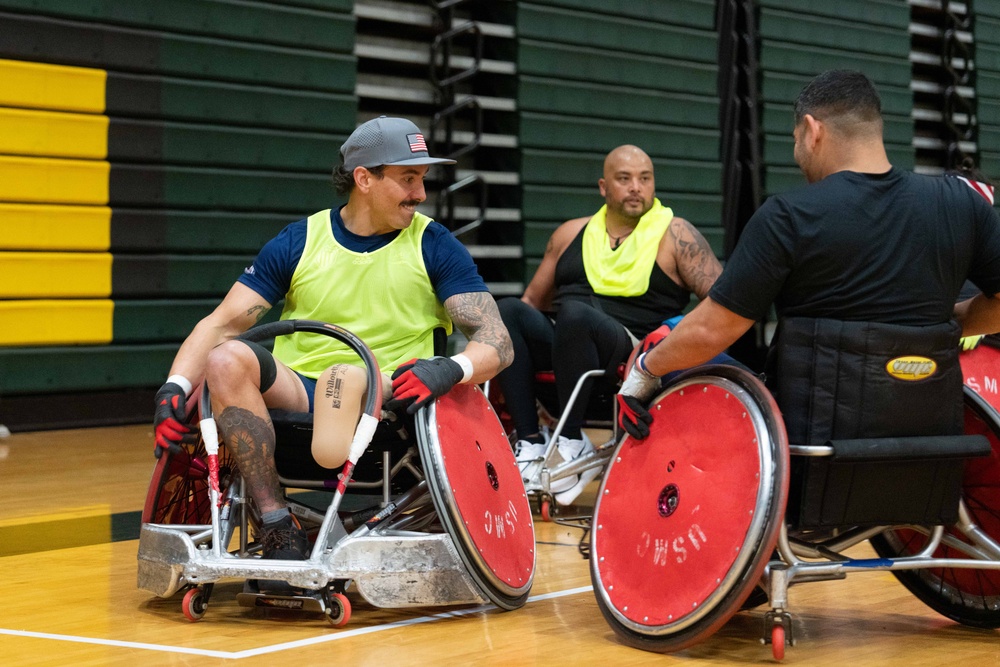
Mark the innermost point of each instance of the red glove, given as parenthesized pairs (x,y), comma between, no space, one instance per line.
(639,387)
(169,418)
(419,381)
(653,338)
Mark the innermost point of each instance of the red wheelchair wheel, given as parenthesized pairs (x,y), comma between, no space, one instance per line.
(687,519)
(338,611)
(194,604)
(981,369)
(178,489)
(967,595)
(478,494)
(778,642)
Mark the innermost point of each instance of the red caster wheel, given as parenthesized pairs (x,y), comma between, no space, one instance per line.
(338,611)
(778,641)
(545,509)
(195,603)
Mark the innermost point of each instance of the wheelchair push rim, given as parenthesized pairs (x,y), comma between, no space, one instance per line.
(476,488)
(686,520)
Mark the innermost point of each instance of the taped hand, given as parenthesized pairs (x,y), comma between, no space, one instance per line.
(419,381)
(638,388)
(169,418)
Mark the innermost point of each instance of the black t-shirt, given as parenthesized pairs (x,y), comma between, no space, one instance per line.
(892,248)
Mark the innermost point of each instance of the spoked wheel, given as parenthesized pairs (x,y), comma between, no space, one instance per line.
(338,610)
(195,603)
(969,596)
(687,519)
(178,490)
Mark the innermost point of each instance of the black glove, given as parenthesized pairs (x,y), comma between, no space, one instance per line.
(633,416)
(419,381)
(169,418)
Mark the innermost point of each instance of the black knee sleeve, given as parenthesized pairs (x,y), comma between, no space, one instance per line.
(268,369)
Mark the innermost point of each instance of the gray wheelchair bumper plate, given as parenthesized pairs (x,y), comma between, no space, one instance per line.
(389,570)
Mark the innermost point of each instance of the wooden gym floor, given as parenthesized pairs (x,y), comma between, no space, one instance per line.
(69,508)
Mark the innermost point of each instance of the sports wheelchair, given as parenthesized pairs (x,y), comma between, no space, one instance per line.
(452,526)
(601,414)
(690,521)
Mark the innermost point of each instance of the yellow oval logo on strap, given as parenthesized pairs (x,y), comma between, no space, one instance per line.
(911,368)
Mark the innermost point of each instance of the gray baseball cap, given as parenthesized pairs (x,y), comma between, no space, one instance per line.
(387,141)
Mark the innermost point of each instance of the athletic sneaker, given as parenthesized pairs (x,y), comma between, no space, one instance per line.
(574,449)
(529,462)
(283,540)
(529,458)
(570,450)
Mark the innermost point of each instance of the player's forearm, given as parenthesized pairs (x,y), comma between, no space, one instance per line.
(486,361)
(707,331)
(978,315)
(193,354)
(490,349)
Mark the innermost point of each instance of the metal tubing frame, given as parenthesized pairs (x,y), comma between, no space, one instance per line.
(984,554)
(576,466)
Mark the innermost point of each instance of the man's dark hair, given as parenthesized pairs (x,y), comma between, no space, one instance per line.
(343,180)
(843,98)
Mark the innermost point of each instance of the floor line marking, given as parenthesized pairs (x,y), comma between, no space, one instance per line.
(115,642)
(274,648)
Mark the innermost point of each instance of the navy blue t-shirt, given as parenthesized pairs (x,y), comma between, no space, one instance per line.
(449,265)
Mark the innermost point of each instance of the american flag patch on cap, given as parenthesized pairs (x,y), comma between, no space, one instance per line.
(417,143)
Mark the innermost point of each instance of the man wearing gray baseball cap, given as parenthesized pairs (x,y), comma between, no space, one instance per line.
(387,141)
(374,266)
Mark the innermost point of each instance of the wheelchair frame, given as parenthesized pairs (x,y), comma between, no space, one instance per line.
(400,557)
(918,556)
(539,486)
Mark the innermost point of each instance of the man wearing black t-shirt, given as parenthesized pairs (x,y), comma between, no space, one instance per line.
(863,242)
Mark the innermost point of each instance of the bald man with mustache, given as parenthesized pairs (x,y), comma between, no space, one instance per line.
(605,282)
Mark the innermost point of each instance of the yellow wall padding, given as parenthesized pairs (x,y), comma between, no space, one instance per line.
(40,275)
(53,134)
(43,227)
(52,322)
(28,179)
(38,86)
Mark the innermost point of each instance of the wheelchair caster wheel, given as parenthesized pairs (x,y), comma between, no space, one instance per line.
(778,642)
(195,603)
(338,610)
(545,510)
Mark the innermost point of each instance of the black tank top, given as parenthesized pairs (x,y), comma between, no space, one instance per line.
(639,314)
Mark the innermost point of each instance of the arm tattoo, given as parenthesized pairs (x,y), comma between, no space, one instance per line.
(476,315)
(696,263)
(260,311)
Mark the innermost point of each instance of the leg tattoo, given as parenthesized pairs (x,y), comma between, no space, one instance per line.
(251,440)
